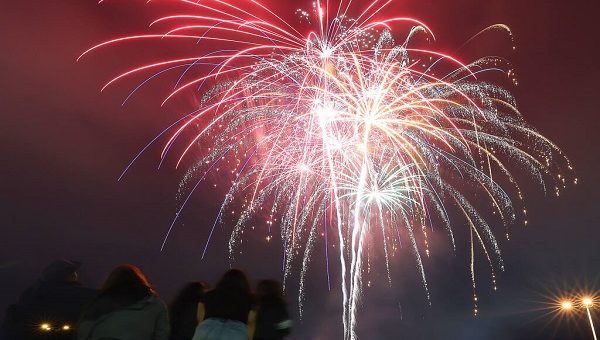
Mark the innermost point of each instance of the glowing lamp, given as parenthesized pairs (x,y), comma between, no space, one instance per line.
(566,305)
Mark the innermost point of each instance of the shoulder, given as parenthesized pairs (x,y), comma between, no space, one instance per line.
(149,303)
(155,302)
(82,292)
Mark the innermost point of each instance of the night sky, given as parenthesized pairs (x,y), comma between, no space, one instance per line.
(63,145)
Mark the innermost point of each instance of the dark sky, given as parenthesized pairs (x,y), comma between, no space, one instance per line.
(63,145)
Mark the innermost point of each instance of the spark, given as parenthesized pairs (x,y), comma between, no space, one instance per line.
(354,127)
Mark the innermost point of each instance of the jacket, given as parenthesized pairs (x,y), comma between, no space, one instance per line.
(146,319)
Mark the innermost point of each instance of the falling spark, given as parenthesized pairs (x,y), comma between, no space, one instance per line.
(352,127)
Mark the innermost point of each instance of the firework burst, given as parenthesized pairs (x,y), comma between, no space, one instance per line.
(351,128)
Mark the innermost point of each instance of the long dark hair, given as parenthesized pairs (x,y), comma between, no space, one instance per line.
(269,291)
(234,281)
(190,294)
(183,310)
(125,285)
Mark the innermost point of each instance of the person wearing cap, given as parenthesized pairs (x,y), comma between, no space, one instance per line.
(50,308)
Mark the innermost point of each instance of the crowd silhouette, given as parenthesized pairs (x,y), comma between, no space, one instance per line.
(127,307)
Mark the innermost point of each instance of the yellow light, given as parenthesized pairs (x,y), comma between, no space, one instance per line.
(66,328)
(587,301)
(566,305)
(45,326)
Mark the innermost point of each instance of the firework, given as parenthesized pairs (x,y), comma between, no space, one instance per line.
(357,127)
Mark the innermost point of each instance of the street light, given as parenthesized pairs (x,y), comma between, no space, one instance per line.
(571,305)
(587,302)
(566,305)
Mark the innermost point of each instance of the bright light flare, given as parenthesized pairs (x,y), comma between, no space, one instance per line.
(566,305)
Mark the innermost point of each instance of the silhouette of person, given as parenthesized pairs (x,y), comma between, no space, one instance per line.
(226,312)
(272,318)
(183,312)
(50,308)
(127,307)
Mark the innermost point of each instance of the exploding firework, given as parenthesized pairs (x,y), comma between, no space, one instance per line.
(352,128)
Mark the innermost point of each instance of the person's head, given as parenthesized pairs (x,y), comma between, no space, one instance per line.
(127,280)
(124,286)
(61,271)
(234,280)
(190,293)
(269,290)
